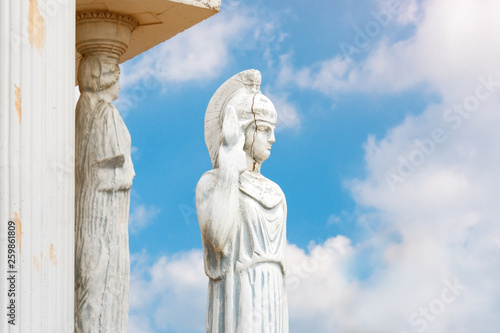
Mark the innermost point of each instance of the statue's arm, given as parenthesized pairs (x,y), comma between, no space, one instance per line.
(217,193)
(217,203)
(111,150)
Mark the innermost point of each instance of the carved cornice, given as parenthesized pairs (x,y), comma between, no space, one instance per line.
(103,32)
(106,16)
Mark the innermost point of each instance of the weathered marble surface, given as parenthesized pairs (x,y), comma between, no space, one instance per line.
(37,165)
(104,174)
(242,214)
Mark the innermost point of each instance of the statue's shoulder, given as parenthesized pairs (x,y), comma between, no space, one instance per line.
(104,108)
(207,182)
(262,189)
(209,176)
(272,185)
(90,107)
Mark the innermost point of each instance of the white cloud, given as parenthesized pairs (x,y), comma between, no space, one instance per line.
(203,52)
(170,295)
(443,207)
(432,232)
(453,43)
(141,215)
(403,12)
(199,53)
(410,13)
(445,212)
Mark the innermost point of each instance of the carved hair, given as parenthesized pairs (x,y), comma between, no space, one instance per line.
(97,73)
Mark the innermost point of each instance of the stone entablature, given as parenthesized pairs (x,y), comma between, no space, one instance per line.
(158,20)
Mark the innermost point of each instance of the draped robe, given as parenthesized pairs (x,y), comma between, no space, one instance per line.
(247,290)
(104,174)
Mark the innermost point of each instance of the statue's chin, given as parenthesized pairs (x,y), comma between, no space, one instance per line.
(263,157)
(266,155)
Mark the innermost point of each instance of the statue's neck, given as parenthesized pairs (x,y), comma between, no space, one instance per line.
(253,165)
(105,97)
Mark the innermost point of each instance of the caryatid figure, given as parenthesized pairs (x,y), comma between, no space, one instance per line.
(242,214)
(104,174)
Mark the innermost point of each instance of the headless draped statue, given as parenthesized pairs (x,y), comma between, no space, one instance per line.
(104,174)
(242,214)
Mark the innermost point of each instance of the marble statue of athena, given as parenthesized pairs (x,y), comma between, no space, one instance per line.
(242,214)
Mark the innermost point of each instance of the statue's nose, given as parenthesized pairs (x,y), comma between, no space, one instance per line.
(272,139)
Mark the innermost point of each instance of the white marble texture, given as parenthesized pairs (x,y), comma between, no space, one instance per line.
(104,174)
(242,214)
(37,138)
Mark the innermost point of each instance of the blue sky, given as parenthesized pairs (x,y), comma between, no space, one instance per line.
(321,149)
(386,148)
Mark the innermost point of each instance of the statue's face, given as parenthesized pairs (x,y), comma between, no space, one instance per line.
(114,90)
(259,140)
(259,136)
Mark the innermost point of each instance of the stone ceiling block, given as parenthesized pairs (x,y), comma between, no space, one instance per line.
(159,20)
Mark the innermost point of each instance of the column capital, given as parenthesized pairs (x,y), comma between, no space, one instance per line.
(103,33)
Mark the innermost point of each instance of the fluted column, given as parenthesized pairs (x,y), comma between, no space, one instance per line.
(37,59)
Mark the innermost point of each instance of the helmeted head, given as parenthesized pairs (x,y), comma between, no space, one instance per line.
(256,115)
